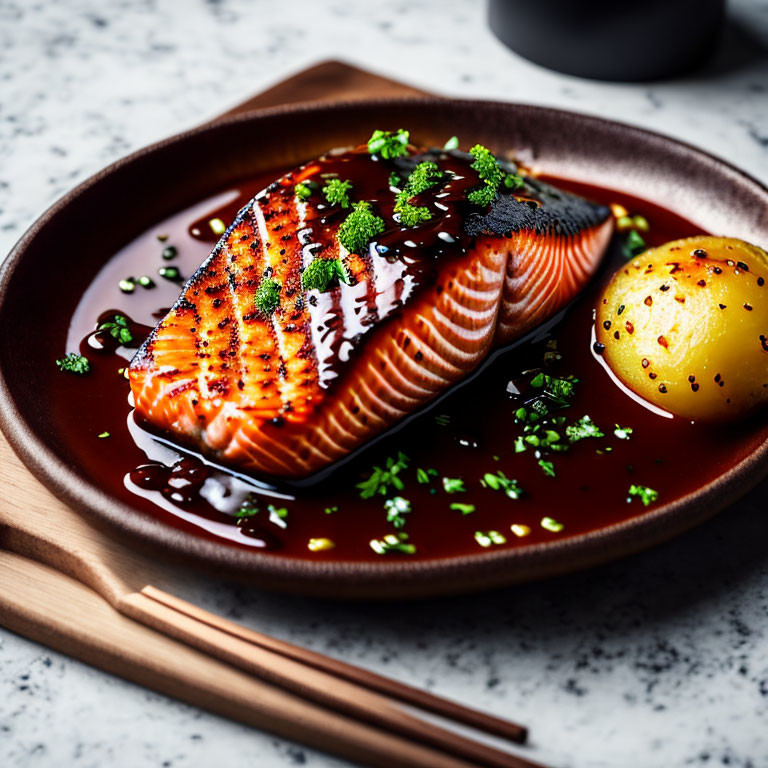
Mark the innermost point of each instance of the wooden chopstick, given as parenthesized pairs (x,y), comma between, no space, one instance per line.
(370,680)
(341,695)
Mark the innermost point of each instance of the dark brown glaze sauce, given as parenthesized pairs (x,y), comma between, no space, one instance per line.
(474,433)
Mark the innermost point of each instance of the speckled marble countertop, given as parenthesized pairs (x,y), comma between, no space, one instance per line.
(660,660)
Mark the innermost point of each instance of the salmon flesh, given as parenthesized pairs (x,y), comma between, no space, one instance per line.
(271,374)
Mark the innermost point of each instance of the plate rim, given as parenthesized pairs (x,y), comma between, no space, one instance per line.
(390,578)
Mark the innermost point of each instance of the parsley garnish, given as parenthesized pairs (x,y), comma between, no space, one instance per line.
(644,493)
(278,515)
(323,274)
(73,363)
(247,509)
(302,190)
(492,176)
(389,145)
(489,538)
(582,429)
(623,433)
(360,227)
(547,467)
(500,482)
(380,479)
(267,296)
(452,143)
(453,485)
(423,176)
(331,510)
(118,329)
(392,543)
(396,508)
(465,509)
(395,180)
(103,435)
(337,192)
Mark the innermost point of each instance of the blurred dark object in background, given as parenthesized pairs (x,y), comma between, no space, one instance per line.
(610,40)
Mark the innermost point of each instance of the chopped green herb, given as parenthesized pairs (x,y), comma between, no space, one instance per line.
(128,285)
(337,192)
(641,223)
(389,145)
(634,245)
(642,492)
(396,508)
(547,467)
(513,181)
(560,390)
(171,252)
(395,180)
(582,429)
(331,510)
(360,227)
(551,524)
(442,420)
(278,515)
(267,297)
(169,273)
(392,543)
(118,329)
(490,173)
(323,274)
(424,176)
(302,190)
(452,143)
(103,434)
(381,480)
(218,227)
(247,509)
(73,363)
(500,482)
(453,485)
(410,215)
(145,281)
(465,509)
(489,538)
(424,476)
(623,433)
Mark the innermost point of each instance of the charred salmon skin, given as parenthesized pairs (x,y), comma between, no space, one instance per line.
(353,291)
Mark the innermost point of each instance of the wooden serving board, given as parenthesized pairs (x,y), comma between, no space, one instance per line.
(43,604)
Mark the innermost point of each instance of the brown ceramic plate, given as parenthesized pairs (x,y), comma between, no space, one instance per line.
(52,264)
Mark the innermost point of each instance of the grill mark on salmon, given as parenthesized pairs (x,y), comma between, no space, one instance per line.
(288,393)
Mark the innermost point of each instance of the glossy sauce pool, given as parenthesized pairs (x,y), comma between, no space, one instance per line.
(468,434)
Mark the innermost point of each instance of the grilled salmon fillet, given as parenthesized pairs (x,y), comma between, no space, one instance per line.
(321,318)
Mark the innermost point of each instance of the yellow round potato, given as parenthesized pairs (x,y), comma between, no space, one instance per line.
(685,327)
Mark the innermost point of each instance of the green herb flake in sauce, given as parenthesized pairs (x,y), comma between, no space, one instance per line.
(396,508)
(465,509)
(247,509)
(337,192)
(424,176)
(584,428)
(103,435)
(389,145)
(359,228)
(381,480)
(73,363)
(169,273)
(392,544)
(551,524)
(442,420)
(500,482)
(267,297)
(171,252)
(118,329)
(489,538)
(424,476)
(453,485)
(323,274)
(492,176)
(145,281)
(218,227)
(278,515)
(547,467)
(127,285)
(644,493)
(623,433)
(331,510)
(395,180)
